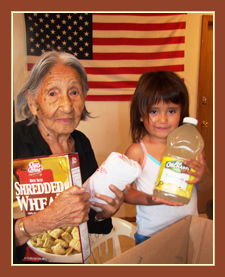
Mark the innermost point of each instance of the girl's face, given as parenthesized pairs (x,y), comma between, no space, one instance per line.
(163,118)
(59,100)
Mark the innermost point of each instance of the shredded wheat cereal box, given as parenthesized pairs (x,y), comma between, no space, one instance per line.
(36,183)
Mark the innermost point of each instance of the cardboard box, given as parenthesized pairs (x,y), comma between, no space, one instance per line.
(189,241)
(36,183)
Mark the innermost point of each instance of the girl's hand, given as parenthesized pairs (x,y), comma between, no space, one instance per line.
(199,167)
(158,201)
(202,176)
(113,205)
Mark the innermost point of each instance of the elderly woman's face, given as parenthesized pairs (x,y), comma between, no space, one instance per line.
(59,100)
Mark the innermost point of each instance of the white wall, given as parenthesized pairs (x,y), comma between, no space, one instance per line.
(109,131)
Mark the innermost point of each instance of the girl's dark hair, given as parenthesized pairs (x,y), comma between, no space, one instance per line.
(152,88)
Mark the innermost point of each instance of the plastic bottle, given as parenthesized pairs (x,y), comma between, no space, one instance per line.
(184,142)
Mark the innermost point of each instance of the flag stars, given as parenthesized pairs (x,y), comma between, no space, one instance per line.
(60,31)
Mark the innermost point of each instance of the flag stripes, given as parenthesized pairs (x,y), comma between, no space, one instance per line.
(138,27)
(136,41)
(131,70)
(129,44)
(138,56)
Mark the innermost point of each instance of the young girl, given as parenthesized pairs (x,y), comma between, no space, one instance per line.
(159,104)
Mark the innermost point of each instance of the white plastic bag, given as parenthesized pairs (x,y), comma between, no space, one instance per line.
(117,170)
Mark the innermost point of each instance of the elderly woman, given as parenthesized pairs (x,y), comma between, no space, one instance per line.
(51,104)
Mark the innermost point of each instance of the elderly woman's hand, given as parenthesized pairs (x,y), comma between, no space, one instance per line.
(112,205)
(70,208)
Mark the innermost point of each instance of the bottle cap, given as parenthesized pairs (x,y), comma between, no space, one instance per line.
(190,120)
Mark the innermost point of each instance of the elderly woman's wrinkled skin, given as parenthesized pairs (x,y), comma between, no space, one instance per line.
(58,105)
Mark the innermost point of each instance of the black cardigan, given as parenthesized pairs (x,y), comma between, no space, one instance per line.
(28,142)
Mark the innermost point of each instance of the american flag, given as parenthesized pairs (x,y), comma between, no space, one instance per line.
(114,48)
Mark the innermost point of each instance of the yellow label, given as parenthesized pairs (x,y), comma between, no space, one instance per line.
(171,179)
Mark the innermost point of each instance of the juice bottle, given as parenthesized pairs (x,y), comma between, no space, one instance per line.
(184,142)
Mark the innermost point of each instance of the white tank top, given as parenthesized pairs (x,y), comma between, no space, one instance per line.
(154,218)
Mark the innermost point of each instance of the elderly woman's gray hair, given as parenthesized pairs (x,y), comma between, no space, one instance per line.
(38,72)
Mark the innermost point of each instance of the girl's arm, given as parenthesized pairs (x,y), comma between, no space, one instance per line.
(136,197)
